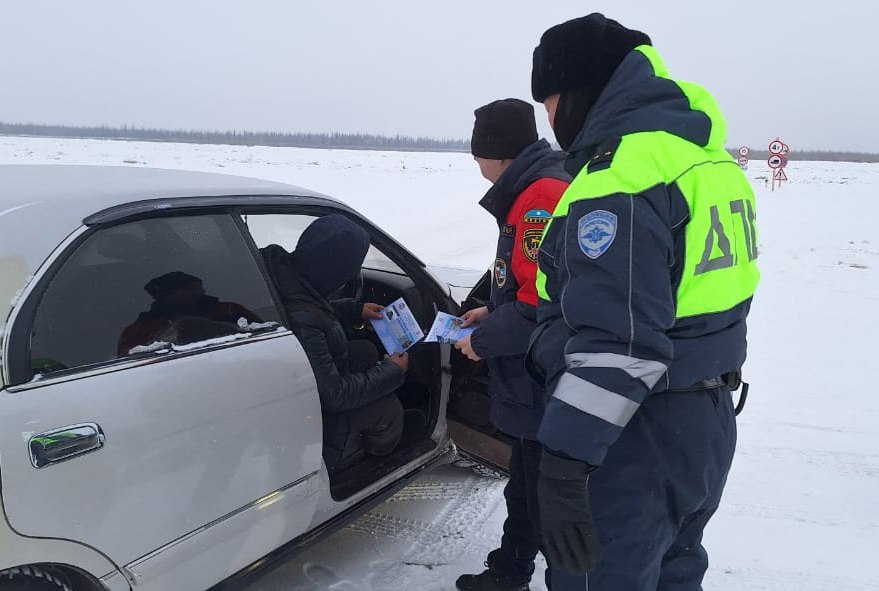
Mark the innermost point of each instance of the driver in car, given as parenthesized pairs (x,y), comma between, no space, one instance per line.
(361,411)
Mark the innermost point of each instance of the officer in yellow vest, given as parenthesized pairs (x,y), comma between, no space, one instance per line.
(646,274)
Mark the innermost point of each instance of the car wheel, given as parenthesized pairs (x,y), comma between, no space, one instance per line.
(32,578)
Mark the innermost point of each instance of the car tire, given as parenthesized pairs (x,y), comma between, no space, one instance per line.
(32,578)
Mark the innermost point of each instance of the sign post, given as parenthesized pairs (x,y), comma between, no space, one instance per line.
(743,157)
(778,161)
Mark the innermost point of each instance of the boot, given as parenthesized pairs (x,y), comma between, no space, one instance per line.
(503,574)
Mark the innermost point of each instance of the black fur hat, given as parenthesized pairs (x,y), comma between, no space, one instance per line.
(583,52)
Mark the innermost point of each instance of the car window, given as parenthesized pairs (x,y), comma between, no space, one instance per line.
(285,229)
(142,285)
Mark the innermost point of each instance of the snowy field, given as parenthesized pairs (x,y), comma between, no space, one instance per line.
(801,510)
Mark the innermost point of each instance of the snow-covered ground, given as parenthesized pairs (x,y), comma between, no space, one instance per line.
(801,510)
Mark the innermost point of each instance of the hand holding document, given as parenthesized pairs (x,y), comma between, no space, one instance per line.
(397,328)
(447,329)
(399,331)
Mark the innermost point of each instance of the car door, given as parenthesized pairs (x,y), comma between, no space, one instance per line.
(469,405)
(159,412)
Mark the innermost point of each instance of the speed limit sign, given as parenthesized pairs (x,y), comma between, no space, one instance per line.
(776,147)
(744,151)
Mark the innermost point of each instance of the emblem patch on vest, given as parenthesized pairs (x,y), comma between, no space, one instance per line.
(500,272)
(531,243)
(537,216)
(596,232)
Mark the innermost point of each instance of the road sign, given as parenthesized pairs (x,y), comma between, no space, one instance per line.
(779,175)
(784,149)
(744,151)
(743,161)
(783,162)
(774,161)
(776,147)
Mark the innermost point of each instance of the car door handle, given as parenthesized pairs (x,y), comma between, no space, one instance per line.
(62,444)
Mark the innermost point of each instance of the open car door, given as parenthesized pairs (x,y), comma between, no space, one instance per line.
(470,403)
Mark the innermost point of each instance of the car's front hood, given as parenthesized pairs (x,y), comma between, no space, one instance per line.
(458,281)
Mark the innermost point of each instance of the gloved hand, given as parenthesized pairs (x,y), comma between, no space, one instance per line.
(569,537)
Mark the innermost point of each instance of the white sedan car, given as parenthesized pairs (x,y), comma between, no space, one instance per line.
(196,463)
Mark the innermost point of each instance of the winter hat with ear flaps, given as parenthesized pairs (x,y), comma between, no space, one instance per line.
(503,129)
(579,53)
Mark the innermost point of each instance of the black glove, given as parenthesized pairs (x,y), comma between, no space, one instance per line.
(569,537)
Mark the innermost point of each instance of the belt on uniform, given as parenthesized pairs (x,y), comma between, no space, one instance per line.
(732,379)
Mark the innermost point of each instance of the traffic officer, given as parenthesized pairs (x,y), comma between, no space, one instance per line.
(528,180)
(649,267)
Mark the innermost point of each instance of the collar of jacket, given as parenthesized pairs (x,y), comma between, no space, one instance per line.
(641,97)
(526,168)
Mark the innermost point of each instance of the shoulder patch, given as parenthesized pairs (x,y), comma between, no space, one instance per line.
(537,216)
(531,243)
(500,272)
(603,157)
(596,232)
(508,230)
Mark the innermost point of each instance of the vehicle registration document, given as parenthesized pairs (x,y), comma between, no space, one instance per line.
(397,328)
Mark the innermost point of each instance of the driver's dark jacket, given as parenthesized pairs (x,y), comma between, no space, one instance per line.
(318,324)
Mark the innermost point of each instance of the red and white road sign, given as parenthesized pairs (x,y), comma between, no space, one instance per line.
(774,161)
(784,149)
(779,175)
(743,161)
(776,147)
(783,162)
(744,151)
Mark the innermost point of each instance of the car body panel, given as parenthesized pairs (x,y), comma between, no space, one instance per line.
(219,550)
(185,447)
(20,550)
(459,281)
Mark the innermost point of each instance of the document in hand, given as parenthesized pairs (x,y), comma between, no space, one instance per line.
(447,329)
(397,328)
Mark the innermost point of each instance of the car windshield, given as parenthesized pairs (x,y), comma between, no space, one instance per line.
(285,229)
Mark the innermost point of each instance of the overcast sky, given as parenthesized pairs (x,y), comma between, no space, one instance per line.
(804,71)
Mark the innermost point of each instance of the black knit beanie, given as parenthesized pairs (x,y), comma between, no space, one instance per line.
(583,52)
(503,129)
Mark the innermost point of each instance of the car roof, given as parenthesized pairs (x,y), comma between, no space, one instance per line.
(41,205)
(86,189)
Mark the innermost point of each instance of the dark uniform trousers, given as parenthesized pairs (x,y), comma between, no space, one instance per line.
(659,485)
(520,541)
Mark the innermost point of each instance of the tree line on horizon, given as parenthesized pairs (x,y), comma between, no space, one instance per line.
(349,141)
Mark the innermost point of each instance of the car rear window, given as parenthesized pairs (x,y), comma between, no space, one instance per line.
(135,287)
